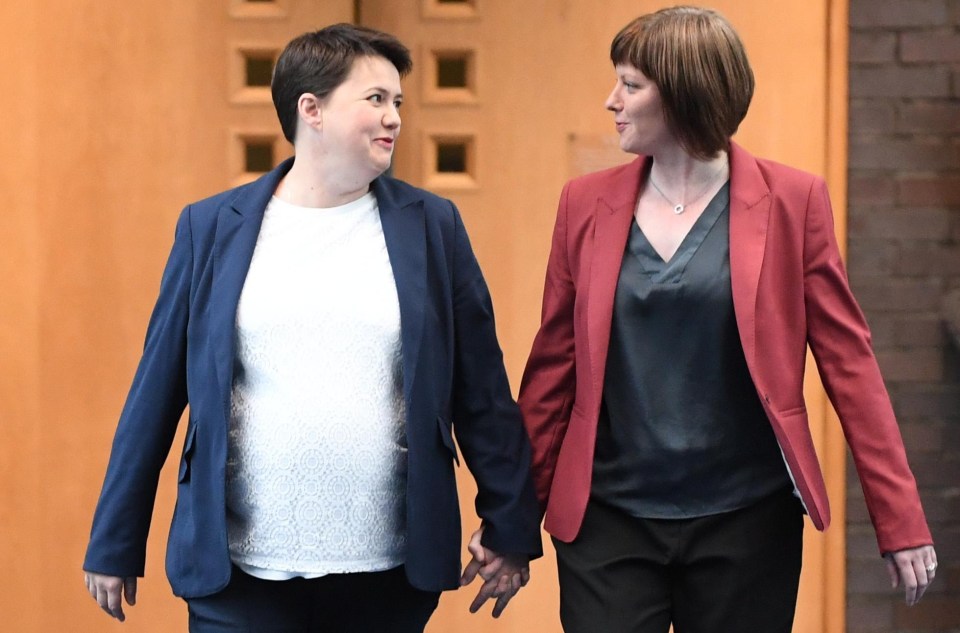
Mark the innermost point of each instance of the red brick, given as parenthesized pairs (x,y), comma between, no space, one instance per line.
(888,81)
(924,331)
(939,473)
(869,614)
(922,437)
(942,508)
(934,613)
(902,223)
(940,401)
(872,47)
(900,295)
(936,117)
(929,190)
(919,364)
(871,115)
(868,577)
(951,435)
(862,544)
(882,331)
(928,259)
(870,190)
(904,203)
(897,154)
(955,83)
(897,13)
(947,541)
(927,46)
(872,257)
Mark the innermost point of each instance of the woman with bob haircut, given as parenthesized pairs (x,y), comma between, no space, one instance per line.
(329,328)
(664,392)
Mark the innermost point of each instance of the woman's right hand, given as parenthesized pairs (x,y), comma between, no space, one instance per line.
(106,590)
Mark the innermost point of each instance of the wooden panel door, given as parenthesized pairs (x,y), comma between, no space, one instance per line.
(115,115)
(506,103)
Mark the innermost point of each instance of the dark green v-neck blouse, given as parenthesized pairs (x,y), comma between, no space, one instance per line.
(681,432)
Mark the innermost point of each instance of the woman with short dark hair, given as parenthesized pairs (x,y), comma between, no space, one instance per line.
(664,391)
(328,327)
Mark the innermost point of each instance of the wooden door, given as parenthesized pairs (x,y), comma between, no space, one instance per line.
(115,115)
(506,103)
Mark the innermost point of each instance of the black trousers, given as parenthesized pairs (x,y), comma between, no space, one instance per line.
(732,572)
(375,602)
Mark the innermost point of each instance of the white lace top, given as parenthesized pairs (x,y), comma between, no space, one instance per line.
(316,467)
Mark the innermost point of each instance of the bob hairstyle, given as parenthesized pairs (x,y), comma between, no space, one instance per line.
(700,67)
(319,61)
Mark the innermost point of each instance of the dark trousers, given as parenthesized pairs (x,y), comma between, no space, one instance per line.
(732,572)
(375,602)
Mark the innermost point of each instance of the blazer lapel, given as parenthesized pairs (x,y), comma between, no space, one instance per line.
(238,225)
(749,217)
(612,220)
(404,231)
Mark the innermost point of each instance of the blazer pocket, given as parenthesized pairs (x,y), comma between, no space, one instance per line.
(446,436)
(184,474)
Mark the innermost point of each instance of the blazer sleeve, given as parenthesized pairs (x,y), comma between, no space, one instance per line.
(147,424)
(548,387)
(487,420)
(840,340)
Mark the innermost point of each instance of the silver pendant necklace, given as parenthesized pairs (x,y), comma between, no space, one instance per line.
(680,207)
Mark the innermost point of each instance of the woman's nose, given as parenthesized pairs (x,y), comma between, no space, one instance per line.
(392,118)
(613,101)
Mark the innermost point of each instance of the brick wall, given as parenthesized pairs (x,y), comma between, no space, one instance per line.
(904,256)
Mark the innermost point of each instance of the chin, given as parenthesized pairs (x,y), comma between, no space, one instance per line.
(628,145)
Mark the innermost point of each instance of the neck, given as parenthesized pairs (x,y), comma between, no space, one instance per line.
(681,174)
(315,182)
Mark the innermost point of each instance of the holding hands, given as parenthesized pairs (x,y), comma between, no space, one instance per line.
(503,574)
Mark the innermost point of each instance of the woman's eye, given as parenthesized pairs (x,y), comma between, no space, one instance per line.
(397,104)
(376,98)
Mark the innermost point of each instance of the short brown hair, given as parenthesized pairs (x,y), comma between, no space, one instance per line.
(700,66)
(319,61)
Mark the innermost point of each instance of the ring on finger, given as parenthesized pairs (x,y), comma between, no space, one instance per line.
(932,567)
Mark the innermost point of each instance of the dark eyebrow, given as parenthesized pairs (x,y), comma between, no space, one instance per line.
(384,91)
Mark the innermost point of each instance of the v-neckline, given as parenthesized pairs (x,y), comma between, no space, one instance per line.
(689,245)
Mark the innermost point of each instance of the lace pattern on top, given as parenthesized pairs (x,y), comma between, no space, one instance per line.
(316,468)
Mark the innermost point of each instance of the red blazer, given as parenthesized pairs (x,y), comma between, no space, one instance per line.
(789,290)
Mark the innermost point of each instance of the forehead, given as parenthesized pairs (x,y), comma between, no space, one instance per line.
(368,72)
(627,69)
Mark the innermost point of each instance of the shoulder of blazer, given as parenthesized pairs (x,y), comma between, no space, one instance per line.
(250,196)
(395,193)
(622,180)
(782,180)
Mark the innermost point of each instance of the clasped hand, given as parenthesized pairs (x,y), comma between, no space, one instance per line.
(503,574)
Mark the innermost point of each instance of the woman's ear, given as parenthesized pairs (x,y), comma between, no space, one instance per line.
(310,109)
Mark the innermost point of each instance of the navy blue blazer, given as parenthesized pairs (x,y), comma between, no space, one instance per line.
(453,376)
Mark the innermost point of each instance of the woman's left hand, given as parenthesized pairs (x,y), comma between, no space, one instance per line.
(503,574)
(914,568)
